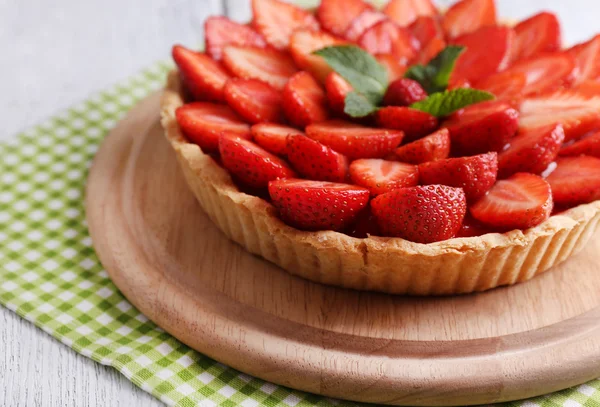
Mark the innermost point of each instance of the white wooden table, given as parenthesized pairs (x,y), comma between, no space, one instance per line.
(55,53)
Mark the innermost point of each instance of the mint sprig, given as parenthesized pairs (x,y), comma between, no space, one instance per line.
(443,104)
(434,76)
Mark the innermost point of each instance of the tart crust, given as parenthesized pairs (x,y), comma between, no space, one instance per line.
(391,265)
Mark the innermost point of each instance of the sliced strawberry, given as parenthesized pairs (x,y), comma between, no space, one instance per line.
(422,214)
(304,102)
(267,65)
(506,86)
(335,16)
(337,88)
(536,35)
(405,12)
(430,51)
(467,16)
(355,141)
(395,69)
(475,175)
(251,164)
(302,45)
(590,145)
(362,23)
(472,228)
(317,205)
(277,20)
(546,72)
(434,147)
(575,181)
(273,137)
(587,59)
(316,161)
(519,202)
(254,100)
(459,84)
(203,123)
(482,127)
(202,77)
(387,37)
(404,92)
(531,151)
(365,225)
(414,123)
(577,112)
(381,176)
(425,29)
(488,50)
(221,31)
(588,88)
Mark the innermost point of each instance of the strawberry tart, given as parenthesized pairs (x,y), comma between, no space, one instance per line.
(399,149)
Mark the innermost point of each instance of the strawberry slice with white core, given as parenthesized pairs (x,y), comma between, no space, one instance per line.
(387,37)
(405,12)
(302,45)
(337,88)
(273,137)
(381,176)
(203,123)
(336,16)
(202,77)
(531,151)
(546,73)
(304,101)
(587,59)
(362,23)
(506,86)
(519,202)
(267,65)
(394,68)
(277,20)
(436,146)
(255,101)
(316,161)
(221,31)
(589,145)
(425,29)
(536,35)
(467,16)
(251,164)
(317,205)
(575,181)
(578,113)
(355,141)
(430,51)
(414,123)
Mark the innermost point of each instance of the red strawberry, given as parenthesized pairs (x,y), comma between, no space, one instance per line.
(277,20)
(472,228)
(315,161)
(546,72)
(459,84)
(589,145)
(335,16)
(362,23)
(467,16)
(203,123)
(414,123)
(475,175)
(381,176)
(395,69)
(251,164)
(386,37)
(317,205)
(519,202)
(588,88)
(404,92)
(422,214)
(405,12)
(273,137)
(536,35)
(430,51)
(577,112)
(203,77)
(254,100)
(221,31)
(587,59)
(506,86)
(337,88)
(482,127)
(434,147)
(576,180)
(355,141)
(302,45)
(487,52)
(267,65)
(531,151)
(425,29)
(365,225)
(304,102)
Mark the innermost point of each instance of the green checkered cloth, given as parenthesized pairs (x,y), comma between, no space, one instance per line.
(50,275)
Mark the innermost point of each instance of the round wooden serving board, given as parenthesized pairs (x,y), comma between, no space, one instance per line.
(176,267)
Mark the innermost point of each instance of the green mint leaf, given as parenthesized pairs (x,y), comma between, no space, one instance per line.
(445,103)
(358,105)
(359,68)
(434,76)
